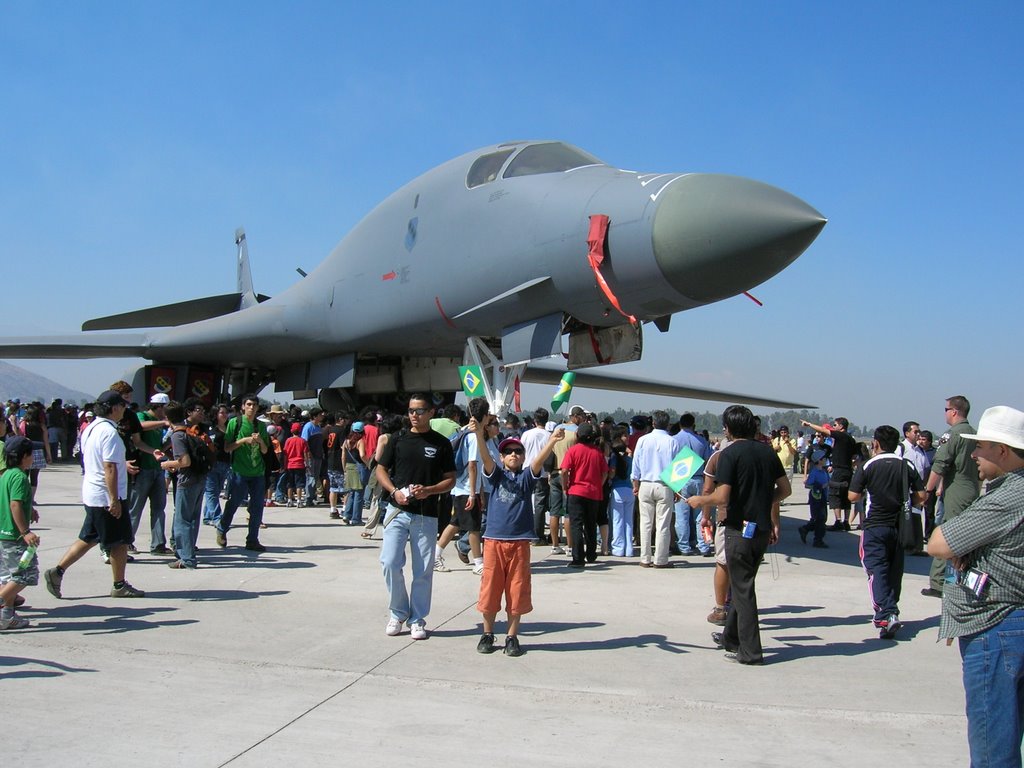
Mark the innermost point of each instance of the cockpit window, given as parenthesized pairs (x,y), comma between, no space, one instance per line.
(486,168)
(548,158)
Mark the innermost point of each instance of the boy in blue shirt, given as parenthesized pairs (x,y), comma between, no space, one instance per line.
(508,535)
(817,500)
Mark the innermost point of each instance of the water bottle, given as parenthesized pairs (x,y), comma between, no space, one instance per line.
(26,558)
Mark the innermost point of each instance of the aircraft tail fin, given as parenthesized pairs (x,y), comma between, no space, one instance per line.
(247,295)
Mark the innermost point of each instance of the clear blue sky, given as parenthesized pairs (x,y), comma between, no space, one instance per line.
(135,137)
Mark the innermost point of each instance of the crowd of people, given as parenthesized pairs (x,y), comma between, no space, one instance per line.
(588,488)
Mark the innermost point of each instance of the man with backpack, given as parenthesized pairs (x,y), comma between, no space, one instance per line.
(192,461)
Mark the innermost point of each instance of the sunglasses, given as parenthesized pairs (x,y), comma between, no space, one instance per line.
(519,451)
(418,411)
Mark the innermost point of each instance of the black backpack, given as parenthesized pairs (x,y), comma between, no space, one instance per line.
(199,453)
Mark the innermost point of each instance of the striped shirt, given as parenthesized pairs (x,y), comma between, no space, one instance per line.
(990,534)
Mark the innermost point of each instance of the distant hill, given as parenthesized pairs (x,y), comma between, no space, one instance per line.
(28,386)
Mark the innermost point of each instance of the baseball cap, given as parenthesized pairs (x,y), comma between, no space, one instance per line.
(509,442)
(160,398)
(110,398)
(358,426)
(296,428)
(578,410)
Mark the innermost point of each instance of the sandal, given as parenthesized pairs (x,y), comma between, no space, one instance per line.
(366,535)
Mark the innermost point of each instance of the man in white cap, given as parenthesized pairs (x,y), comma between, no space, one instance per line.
(983,597)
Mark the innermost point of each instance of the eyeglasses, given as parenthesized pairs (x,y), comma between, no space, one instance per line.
(418,411)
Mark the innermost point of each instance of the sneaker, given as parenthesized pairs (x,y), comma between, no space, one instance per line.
(478,568)
(132,549)
(126,590)
(836,526)
(888,628)
(717,616)
(846,526)
(15,622)
(512,646)
(161,550)
(53,580)
(557,551)
(820,545)
(418,631)
(222,538)
(486,644)
(439,566)
(802,530)
(335,515)
(255,546)
(393,628)
(105,557)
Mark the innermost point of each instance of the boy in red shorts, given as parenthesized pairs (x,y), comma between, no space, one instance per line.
(508,534)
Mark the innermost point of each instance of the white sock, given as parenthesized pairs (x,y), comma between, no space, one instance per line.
(438,551)
(478,561)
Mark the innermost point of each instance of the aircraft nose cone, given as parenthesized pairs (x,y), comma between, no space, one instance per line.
(716,236)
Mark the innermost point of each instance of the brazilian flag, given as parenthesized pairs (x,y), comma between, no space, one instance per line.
(564,391)
(683,467)
(472,379)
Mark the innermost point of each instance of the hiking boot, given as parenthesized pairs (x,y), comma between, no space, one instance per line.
(222,538)
(418,631)
(717,616)
(512,646)
(15,622)
(486,644)
(53,580)
(126,590)
(439,566)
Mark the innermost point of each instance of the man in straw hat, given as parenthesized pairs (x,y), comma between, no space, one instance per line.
(983,597)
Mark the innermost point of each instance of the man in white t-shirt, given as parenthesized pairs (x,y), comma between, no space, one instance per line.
(104,495)
(534,440)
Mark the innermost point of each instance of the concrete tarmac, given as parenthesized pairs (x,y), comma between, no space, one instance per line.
(281,659)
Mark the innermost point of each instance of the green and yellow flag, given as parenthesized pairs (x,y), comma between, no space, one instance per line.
(472,379)
(564,391)
(683,467)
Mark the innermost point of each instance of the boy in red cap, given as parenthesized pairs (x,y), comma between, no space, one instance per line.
(508,535)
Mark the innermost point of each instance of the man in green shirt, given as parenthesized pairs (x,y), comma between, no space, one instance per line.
(150,483)
(246,439)
(956,471)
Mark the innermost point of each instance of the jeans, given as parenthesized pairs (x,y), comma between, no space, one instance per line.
(354,507)
(240,485)
(623,502)
(150,486)
(993,663)
(541,493)
(188,504)
(421,533)
(686,529)
(214,485)
(312,480)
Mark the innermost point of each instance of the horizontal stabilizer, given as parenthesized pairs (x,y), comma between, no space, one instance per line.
(534,375)
(179,313)
(79,346)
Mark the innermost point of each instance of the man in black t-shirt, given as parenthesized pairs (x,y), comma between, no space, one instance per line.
(844,448)
(882,478)
(415,468)
(751,483)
